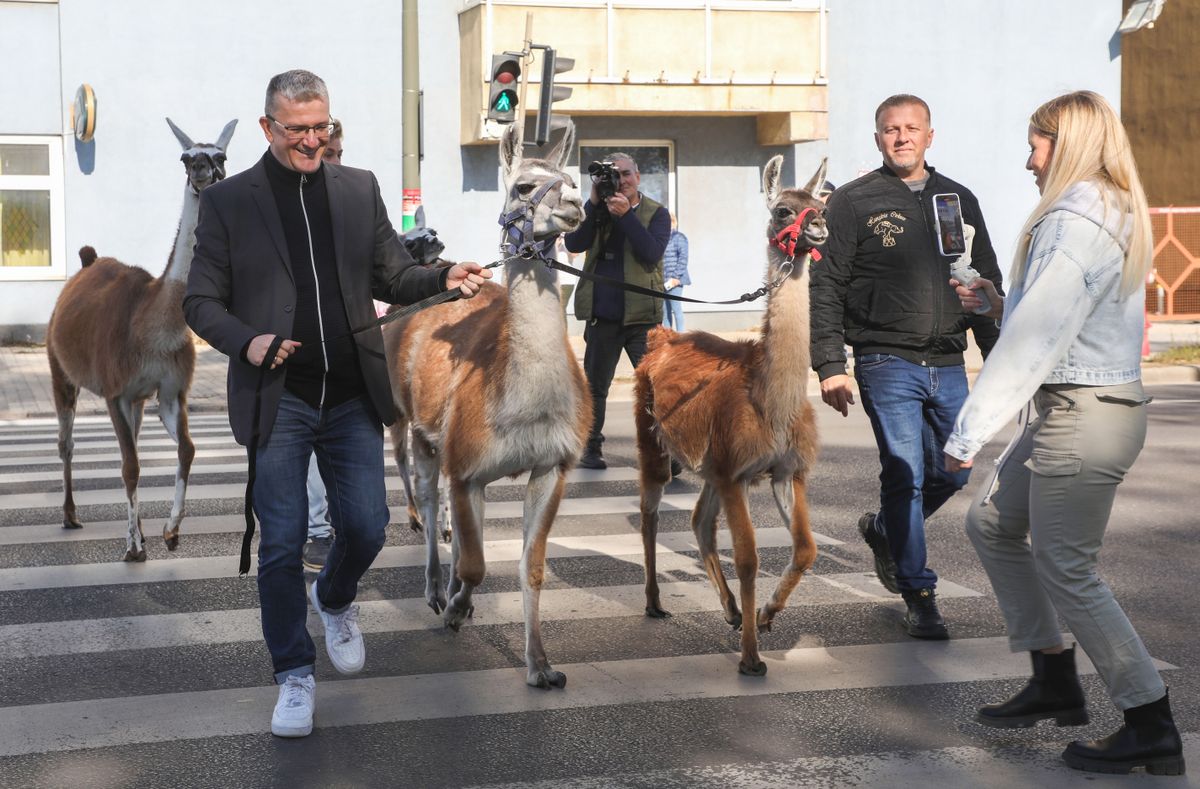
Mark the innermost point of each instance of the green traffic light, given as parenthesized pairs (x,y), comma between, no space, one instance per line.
(503,103)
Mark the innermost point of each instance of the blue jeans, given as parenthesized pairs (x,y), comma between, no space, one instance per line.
(318,503)
(912,410)
(673,310)
(348,441)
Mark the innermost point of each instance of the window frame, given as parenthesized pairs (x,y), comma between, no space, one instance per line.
(626,145)
(54,184)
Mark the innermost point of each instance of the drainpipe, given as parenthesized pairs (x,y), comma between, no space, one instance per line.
(410,116)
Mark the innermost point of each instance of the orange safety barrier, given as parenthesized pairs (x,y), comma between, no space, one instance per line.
(1173,291)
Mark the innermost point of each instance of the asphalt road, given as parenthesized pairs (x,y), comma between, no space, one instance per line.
(155,674)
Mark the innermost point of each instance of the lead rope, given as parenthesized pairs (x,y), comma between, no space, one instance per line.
(252,454)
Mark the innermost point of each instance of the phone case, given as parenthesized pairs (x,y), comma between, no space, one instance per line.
(947,214)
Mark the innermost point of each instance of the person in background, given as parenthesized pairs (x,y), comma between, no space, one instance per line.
(1071,341)
(675,275)
(333,151)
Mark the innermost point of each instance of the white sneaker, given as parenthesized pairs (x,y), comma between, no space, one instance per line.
(294,711)
(343,639)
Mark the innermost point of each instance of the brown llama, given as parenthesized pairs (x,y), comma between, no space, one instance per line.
(118,332)
(736,413)
(492,389)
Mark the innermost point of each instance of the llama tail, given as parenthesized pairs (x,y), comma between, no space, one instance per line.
(87,255)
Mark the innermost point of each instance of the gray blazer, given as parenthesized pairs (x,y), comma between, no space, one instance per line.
(240,284)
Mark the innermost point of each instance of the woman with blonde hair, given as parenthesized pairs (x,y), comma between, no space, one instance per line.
(1070,348)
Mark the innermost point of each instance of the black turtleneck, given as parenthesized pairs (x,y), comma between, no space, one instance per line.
(318,378)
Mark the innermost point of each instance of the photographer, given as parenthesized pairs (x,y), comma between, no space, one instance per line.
(624,234)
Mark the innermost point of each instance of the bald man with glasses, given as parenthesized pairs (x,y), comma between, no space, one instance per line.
(293,249)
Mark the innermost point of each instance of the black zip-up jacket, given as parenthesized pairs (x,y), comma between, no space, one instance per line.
(883,286)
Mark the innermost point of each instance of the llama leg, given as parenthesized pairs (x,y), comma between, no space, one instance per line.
(399,430)
(745,559)
(121,411)
(704,527)
(466,497)
(65,396)
(804,547)
(655,473)
(426,462)
(542,498)
(172,411)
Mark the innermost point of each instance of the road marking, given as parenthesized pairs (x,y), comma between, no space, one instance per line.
(157,631)
(613,546)
(100,723)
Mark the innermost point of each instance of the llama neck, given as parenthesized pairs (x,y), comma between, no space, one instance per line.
(185,238)
(537,334)
(785,335)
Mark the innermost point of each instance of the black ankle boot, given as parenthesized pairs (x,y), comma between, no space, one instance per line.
(923,620)
(1052,692)
(592,457)
(1148,739)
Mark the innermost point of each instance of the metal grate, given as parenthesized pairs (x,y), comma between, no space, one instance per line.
(1174,293)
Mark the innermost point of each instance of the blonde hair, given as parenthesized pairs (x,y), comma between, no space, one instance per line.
(1090,144)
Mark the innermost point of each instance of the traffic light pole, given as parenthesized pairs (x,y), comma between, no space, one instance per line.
(410,116)
(526,62)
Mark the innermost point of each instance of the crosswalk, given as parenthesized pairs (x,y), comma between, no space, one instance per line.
(135,674)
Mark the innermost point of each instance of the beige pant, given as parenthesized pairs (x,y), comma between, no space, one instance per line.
(1055,487)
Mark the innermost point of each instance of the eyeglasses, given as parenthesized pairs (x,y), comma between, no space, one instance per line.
(293,132)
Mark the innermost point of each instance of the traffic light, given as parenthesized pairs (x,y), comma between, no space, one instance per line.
(551,64)
(502,98)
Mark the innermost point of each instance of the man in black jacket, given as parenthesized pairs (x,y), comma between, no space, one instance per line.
(295,248)
(883,288)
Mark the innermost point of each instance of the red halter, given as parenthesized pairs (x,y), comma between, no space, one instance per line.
(788,237)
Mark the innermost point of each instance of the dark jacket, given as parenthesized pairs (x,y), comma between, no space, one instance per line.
(630,249)
(883,286)
(241,283)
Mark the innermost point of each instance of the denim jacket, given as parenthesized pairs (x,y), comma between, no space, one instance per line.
(1065,324)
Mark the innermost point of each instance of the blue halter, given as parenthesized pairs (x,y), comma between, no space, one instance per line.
(518,224)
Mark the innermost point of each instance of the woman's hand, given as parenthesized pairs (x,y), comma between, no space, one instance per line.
(971,302)
(954,465)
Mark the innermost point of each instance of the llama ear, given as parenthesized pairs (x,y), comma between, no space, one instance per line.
(184,140)
(561,152)
(818,179)
(226,135)
(771,173)
(510,148)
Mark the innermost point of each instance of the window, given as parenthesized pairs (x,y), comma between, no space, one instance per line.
(655,160)
(31,209)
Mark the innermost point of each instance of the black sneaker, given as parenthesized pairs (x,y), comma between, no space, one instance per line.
(592,458)
(316,551)
(676,467)
(923,620)
(885,565)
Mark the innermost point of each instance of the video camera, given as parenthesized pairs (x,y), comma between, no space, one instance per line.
(606,177)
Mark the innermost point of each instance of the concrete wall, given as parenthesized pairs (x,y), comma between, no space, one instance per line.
(983,67)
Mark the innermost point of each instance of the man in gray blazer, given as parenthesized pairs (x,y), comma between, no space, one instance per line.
(295,248)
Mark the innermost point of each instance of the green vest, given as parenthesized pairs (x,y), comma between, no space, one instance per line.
(638,308)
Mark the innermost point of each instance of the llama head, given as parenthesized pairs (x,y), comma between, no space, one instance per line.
(560,210)
(204,162)
(786,205)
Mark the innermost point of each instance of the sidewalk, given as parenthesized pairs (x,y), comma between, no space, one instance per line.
(25,374)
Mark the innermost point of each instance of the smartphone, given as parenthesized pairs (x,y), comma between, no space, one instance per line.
(947,213)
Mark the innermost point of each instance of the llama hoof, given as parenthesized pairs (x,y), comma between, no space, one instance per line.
(734,620)
(546,678)
(454,618)
(446,536)
(764,620)
(172,542)
(656,611)
(71,523)
(471,612)
(416,526)
(755,669)
(437,605)
(135,556)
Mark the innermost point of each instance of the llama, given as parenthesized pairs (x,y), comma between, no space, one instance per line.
(735,413)
(118,332)
(492,389)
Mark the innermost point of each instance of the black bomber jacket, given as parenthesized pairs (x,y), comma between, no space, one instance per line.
(883,286)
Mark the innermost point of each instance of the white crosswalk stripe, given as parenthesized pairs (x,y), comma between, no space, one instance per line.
(54,612)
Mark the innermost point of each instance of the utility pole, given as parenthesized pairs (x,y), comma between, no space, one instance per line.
(410,116)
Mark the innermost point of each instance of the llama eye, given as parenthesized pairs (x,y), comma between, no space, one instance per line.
(524,189)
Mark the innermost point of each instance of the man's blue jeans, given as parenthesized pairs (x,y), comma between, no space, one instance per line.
(912,410)
(348,440)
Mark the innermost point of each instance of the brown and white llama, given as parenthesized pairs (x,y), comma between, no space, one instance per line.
(737,413)
(118,332)
(491,389)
